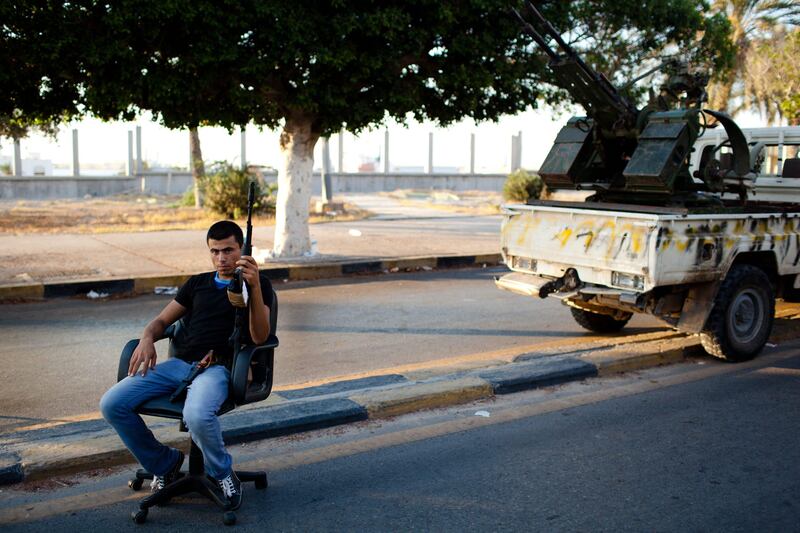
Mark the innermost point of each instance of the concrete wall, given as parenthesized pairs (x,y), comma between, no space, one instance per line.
(53,187)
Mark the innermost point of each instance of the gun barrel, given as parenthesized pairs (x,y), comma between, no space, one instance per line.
(550,30)
(536,36)
(248,240)
(590,88)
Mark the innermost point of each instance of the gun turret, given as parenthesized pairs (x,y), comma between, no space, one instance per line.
(625,154)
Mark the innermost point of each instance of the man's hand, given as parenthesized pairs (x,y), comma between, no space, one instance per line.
(144,355)
(249,268)
(208,360)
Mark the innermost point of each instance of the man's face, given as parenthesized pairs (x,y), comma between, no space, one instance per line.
(224,255)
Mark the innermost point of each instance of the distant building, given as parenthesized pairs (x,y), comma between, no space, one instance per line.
(33,166)
(367,166)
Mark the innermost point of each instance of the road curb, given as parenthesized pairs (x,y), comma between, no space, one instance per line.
(419,396)
(83,446)
(298,272)
(527,375)
(86,445)
(11,470)
(617,360)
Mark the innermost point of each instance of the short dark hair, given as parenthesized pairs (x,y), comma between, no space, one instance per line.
(224,229)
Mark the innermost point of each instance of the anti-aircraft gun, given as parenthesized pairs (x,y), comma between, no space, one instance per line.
(630,155)
(653,238)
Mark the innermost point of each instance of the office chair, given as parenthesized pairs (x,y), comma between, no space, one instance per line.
(259,360)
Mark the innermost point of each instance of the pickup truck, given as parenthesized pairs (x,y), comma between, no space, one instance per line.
(716,273)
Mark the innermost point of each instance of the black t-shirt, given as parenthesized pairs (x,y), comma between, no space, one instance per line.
(211,317)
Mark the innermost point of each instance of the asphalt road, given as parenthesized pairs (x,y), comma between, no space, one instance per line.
(700,446)
(58,357)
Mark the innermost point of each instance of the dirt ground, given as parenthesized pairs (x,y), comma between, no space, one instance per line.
(462,202)
(121,213)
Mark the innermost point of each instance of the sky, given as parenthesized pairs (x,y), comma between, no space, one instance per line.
(104,144)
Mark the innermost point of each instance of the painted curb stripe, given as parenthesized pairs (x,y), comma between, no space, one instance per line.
(118,286)
(531,375)
(286,419)
(27,292)
(344,386)
(10,469)
(365,267)
(276,273)
(455,261)
(298,272)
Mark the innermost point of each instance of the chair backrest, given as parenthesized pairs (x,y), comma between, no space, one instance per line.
(791,168)
(262,364)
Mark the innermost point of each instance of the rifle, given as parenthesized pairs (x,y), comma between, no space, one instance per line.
(237,296)
(237,290)
(185,382)
(196,370)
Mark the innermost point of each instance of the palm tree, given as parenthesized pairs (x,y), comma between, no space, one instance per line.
(772,77)
(751,21)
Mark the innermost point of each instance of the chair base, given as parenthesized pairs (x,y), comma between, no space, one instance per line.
(189,483)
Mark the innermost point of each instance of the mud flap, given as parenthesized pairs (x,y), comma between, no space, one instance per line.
(697,307)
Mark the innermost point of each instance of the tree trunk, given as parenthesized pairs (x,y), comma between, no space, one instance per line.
(720,95)
(198,168)
(292,238)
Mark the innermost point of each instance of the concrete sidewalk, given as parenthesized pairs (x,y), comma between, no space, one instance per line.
(399,237)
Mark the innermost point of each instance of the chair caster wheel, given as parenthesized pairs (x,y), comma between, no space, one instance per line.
(135,484)
(139,516)
(229,518)
(261,482)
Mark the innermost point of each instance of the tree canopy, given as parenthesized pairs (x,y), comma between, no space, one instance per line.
(353,64)
(754,24)
(772,77)
(314,67)
(39,76)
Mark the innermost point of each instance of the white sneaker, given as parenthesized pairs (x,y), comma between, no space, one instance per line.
(232,489)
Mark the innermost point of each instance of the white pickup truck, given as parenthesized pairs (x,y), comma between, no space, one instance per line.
(717,274)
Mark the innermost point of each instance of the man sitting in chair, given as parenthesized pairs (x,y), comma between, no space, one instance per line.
(204,299)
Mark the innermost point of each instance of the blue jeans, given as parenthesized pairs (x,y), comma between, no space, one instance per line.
(203,399)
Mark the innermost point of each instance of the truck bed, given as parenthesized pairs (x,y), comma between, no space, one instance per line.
(642,247)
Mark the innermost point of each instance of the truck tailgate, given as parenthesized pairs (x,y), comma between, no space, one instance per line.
(547,240)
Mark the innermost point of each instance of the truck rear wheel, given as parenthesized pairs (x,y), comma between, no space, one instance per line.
(741,320)
(597,322)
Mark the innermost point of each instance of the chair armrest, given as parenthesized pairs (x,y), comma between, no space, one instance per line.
(125,359)
(240,389)
(130,346)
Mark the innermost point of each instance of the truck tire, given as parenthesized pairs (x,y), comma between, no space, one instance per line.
(741,320)
(597,322)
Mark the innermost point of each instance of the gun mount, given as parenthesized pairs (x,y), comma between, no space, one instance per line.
(631,155)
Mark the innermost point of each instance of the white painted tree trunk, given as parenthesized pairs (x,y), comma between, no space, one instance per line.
(292,238)
(198,167)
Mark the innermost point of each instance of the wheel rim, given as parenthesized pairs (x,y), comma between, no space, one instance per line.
(746,315)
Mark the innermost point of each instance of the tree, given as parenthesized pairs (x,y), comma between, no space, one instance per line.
(751,21)
(312,68)
(39,79)
(772,76)
(319,67)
